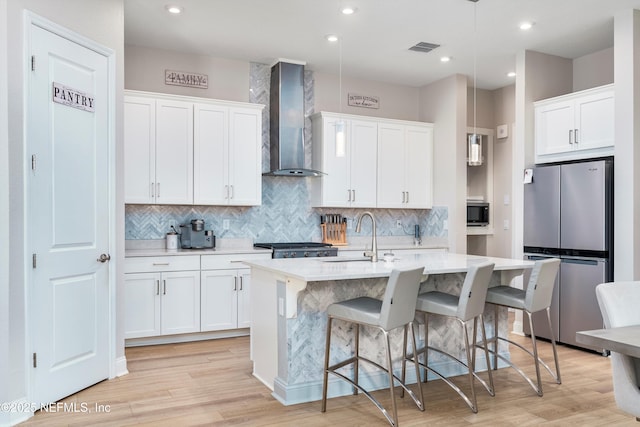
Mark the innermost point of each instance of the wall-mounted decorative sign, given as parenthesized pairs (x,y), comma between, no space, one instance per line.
(182,78)
(364,101)
(73,98)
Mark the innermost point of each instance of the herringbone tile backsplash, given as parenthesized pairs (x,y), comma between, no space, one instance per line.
(285,214)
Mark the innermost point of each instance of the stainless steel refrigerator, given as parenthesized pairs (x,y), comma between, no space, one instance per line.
(568,214)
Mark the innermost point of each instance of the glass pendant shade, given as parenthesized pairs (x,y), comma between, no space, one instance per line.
(341,142)
(475,150)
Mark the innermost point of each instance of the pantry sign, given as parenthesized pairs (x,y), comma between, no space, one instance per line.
(73,98)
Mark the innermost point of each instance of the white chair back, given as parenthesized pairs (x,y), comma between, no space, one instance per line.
(619,304)
(474,291)
(399,302)
(541,283)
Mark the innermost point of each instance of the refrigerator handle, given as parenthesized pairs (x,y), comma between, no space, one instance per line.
(580,261)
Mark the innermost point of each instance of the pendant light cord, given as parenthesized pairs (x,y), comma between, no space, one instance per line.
(475,72)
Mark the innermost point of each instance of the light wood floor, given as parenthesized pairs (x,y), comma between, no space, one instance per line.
(210,383)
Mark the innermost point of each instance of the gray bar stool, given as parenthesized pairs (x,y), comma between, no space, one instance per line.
(469,305)
(396,310)
(537,297)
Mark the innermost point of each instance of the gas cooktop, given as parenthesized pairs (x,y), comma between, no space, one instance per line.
(299,249)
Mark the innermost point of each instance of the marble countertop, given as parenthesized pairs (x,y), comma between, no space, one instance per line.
(344,268)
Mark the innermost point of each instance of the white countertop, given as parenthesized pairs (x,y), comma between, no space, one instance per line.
(129,253)
(322,269)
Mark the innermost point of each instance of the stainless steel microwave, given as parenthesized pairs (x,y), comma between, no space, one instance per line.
(477,214)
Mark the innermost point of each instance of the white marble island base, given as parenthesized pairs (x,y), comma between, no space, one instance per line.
(289,299)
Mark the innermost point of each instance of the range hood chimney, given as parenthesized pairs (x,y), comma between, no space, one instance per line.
(287,121)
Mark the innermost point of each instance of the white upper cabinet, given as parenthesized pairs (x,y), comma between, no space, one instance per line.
(350,179)
(174,152)
(158,151)
(405,165)
(181,150)
(227,160)
(575,126)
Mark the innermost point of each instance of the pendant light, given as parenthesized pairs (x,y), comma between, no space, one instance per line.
(341,137)
(474,152)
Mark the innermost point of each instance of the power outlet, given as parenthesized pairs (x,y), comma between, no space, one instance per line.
(398,223)
(225,224)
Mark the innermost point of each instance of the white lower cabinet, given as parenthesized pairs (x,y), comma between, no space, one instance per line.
(225,299)
(162,303)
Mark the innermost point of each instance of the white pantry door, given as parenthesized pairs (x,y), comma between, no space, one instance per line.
(68,215)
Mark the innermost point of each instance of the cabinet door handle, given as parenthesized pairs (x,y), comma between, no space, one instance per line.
(353,199)
(348,195)
(151,190)
(407,197)
(231,188)
(570,136)
(158,190)
(235,283)
(404,197)
(240,282)
(575,139)
(157,287)
(226,191)
(164,283)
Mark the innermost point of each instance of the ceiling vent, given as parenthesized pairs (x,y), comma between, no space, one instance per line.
(424,47)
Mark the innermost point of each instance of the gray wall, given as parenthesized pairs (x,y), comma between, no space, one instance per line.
(444,103)
(595,69)
(105,26)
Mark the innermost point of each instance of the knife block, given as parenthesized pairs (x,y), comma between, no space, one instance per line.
(334,234)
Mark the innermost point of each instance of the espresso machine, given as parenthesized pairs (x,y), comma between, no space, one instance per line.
(194,236)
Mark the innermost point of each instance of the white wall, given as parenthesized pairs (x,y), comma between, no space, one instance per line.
(103,22)
(4,218)
(444,103)
(396,101)
(144,70)
(627,154)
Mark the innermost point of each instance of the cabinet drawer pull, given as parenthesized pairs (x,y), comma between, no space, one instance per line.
(235,261)
(157,287)
(160,263)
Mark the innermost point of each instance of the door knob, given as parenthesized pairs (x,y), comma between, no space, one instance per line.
(104,258)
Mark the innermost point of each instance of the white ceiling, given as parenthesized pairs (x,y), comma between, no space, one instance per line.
(375,40)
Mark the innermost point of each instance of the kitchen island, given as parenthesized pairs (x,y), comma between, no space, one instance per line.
(289,299)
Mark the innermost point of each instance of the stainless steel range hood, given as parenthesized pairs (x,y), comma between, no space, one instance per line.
(287,121)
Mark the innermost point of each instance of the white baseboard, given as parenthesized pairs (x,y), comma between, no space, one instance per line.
(18,411)
(121,366)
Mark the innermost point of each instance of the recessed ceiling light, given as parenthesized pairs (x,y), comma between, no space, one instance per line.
(174,9)
(332,38)
(348,10)
(445,59)
(526,26)
(511,74)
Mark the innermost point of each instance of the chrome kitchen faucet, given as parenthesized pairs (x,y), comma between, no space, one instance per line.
(374,241)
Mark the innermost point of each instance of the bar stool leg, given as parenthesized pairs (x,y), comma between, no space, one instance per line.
(426,346)
(474,404)
(326,366)
(416,366)
(553,345)
(356,370)
(391,387)
(495,337)
(486,355)
(535,354)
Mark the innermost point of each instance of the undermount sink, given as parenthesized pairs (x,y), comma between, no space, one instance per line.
(347,259)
